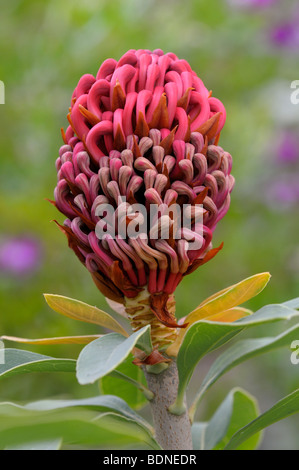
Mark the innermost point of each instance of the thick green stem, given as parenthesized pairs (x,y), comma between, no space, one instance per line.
(173,432)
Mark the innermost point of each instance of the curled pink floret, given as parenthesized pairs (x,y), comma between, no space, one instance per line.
(144,130)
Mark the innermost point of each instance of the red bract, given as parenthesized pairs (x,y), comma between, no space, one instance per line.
(147,129)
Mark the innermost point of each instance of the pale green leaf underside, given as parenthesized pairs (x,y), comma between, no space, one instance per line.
(18,361)
(53,444)
(105,354)
(293,303)
(76,421)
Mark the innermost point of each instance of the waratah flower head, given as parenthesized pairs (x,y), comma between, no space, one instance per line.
(144,130)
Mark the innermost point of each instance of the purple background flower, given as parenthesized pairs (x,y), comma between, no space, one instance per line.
(286,34)
(283,194)
(288,147)
(20,255)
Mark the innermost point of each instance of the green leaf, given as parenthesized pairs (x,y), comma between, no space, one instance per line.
(129,382)
(105,354)
(288,406)
(204,336)
(99,403)
(294,303)
(50,419)
(84,339)
(53,444)
(81,311)
(18,361)
(224,300)
(198,435)
(144,341)
(76,423)
(232,314)
(237,410)
(240,352)
(230,297)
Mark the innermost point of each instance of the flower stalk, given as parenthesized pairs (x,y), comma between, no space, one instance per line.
(140,314)
(173,432)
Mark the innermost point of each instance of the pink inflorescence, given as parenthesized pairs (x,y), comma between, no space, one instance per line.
(145,128)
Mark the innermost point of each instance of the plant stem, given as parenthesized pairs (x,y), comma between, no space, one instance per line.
(140,314)
(173,432)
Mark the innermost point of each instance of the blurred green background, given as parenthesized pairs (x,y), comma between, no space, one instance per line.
(246,52)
